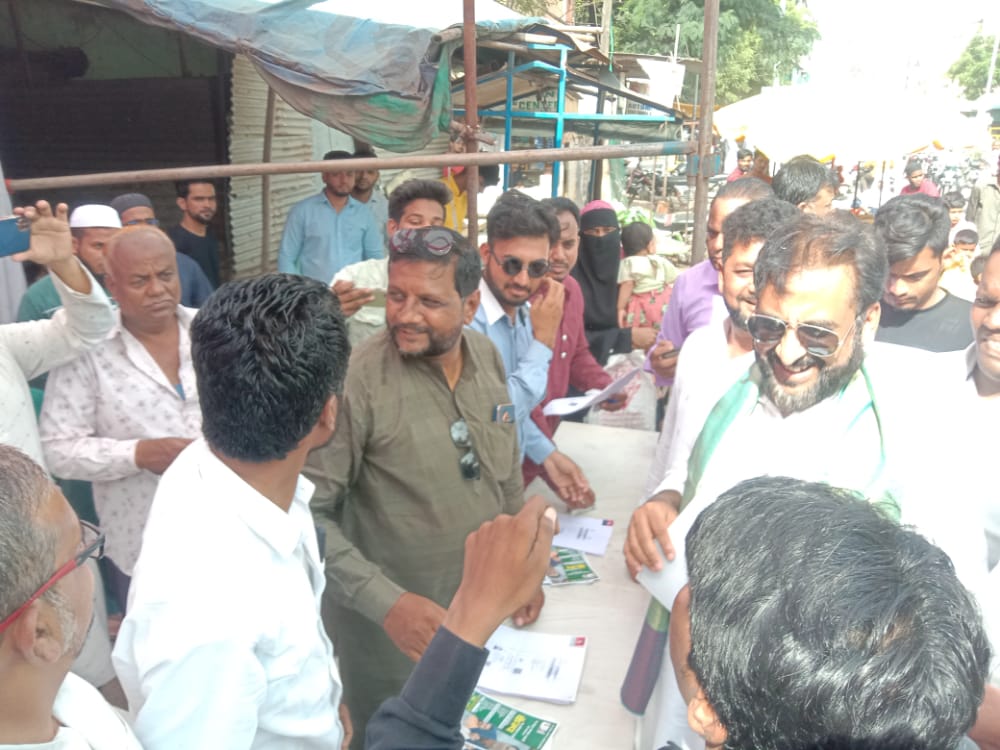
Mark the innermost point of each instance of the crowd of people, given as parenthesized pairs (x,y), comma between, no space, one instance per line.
(302,490)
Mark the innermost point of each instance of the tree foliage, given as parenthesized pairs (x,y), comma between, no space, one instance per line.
(758,43)
(971,69)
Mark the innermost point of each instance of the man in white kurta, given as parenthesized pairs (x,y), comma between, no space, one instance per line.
(716,354)
(842,411)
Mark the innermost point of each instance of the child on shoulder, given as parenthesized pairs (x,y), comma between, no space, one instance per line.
(645,279)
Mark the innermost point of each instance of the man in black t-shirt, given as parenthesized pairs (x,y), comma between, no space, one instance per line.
(196,200)
(916,311)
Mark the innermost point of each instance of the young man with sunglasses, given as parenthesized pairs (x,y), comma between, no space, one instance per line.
(521,233)
(424,452)
(821,404)
(46,607)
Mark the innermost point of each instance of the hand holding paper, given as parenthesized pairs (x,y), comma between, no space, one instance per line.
(561,406)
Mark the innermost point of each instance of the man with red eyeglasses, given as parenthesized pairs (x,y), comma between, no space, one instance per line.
(46,604)
(820,403)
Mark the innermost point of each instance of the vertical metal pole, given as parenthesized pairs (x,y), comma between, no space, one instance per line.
(560,124)
(265,185)
(471,115)
(597,165)
(709,54)
(508,117)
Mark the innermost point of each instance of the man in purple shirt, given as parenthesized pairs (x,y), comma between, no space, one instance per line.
(696,289)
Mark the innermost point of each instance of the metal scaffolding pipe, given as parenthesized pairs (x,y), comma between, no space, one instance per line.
(471,117)
(710,49)
(219,171)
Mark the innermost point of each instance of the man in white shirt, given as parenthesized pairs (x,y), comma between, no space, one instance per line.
(119,415)
(821,404)
(30,349)
(714,355)
(980,369)
(223,646)
(46,594)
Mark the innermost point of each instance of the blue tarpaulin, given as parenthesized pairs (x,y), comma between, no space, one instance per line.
(383,78)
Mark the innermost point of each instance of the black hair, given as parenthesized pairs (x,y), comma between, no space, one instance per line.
(489,174)
(809,242)
(743,153)
(337,155)
(745,188)
(635,237)
(562,205)
(518,215)
(183,187)
(953,199)
(966,237)
(835,627)
(909,223)
(753,222)
(978,264)
(365,153)
(803,178)
(913,165)
(412,244)
(268,353)
(412,190)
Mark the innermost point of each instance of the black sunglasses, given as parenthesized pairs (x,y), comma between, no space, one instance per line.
(468,464)
(818,341)
(512,266)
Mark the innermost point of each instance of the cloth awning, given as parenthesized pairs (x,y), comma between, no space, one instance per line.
(383,78)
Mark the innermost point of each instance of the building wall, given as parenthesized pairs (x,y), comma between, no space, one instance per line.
(115,45)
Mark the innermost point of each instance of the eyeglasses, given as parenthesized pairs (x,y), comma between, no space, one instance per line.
(818,341)
(469,462)
(136,222)
(512,266)
(92,543)
(435,240)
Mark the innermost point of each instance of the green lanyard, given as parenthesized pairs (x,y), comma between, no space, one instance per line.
(738,400)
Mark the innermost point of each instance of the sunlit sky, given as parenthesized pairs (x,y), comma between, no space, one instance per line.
(894,42)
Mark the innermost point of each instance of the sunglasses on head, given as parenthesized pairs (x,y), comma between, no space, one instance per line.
(436,241)
(767,332)
(512,266)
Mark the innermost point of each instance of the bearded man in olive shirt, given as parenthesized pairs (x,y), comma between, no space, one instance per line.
(424,452)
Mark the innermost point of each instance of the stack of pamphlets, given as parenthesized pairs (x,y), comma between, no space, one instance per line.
(568,566)
(541,666)
(488,723)
(584,533)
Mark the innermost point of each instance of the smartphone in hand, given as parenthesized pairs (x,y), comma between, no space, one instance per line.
(15,236)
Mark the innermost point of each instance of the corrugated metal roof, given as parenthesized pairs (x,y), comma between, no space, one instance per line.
(292,141)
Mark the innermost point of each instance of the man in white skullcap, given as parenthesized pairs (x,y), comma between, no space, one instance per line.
(91,226)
